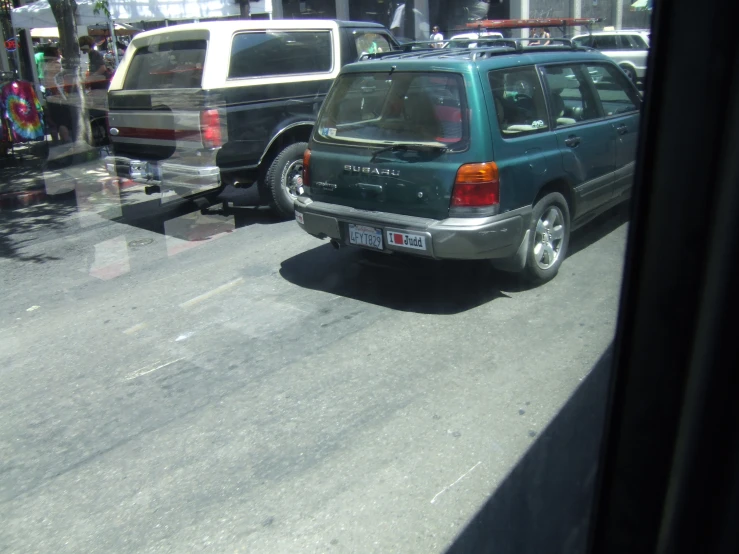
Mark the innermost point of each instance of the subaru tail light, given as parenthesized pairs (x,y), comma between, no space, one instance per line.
(476,186)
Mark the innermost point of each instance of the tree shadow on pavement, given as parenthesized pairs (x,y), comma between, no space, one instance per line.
(20,227)
(544,504)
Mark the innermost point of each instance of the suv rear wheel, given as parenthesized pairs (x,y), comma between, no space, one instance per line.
(548,238)
(284,180)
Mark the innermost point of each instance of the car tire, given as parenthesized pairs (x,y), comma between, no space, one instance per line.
(549,237)
(284,179)
(630,73)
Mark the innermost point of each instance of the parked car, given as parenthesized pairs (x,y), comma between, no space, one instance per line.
(198,106)
(468,39)
(629,49)
(471,154)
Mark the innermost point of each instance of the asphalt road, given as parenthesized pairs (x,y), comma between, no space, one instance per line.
(180,383)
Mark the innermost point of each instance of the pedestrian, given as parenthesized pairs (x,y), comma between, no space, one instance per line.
(545,35)
(93,62)
(437,37)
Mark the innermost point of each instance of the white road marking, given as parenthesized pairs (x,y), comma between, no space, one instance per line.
(465,474)
(211,293)
(184,336)
(32,308)
(134,329)
(147,370)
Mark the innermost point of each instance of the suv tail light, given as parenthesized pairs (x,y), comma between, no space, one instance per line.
(476,186)
(210,129)
(306,168)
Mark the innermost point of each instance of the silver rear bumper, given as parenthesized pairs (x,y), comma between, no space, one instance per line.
(493,237)
(183,178)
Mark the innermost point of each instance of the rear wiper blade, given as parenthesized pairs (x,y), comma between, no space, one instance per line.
(405,146)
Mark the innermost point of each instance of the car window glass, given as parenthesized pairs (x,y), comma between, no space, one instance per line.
(176,64)
(605,42)
(418,107)
(638,42)
(625,43)
(570,99)
(370,43)
(519,101)
(614,90)
(259,54)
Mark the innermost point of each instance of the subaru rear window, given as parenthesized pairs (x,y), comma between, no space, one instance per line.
(177,64)
(396,107)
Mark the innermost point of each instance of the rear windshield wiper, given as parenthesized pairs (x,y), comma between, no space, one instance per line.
(404,147)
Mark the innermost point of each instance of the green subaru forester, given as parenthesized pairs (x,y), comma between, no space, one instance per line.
(489,153)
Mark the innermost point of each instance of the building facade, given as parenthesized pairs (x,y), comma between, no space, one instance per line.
(413,19)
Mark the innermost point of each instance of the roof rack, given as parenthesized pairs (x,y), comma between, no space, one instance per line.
(489,47)
(531,23)
(560,23)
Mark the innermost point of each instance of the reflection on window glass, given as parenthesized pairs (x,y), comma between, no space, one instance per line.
(616,94)
(403,106)
(519,101)
(569,95)
(167,65)
(370,43)
(175,347)
(259,54)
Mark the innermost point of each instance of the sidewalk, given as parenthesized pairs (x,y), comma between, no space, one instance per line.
(30,178)
(21,181)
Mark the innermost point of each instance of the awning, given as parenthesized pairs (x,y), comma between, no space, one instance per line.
(104,29)
(38,14)
(641,5)
(45,32)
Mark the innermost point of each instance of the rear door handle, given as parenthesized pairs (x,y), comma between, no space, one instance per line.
(622,129)
(572,141)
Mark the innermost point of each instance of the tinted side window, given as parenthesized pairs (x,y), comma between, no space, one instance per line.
(268,53)
(614,90)
(605,42)
(570,97)
(638,42)
(370,43)
(519,101)
(177,64)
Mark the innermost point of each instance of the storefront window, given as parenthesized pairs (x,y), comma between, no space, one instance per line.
(314,9)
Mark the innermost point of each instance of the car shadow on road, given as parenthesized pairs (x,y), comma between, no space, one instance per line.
(418,285)
(544,504)
(397,282)
(599,227)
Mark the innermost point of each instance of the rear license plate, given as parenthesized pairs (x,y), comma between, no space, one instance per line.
(406,240)
(369,237)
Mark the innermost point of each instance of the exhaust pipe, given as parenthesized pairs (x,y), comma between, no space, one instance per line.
(335,243)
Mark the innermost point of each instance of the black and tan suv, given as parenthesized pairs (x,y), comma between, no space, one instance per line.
(199,106)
